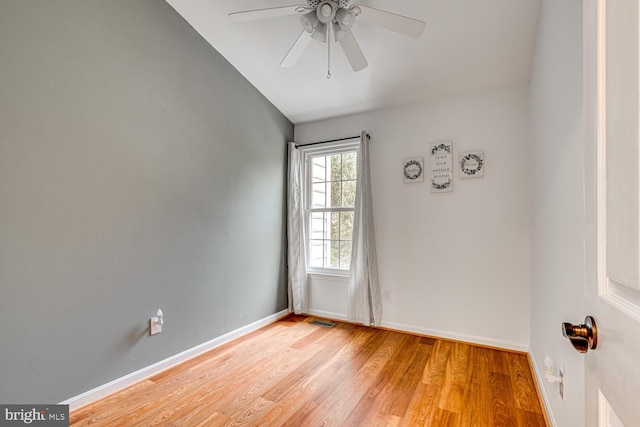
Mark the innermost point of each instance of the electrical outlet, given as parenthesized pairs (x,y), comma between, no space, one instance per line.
(386,294)
(154,326)
(155,323)
(561,384)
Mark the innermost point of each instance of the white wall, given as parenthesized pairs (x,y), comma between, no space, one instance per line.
(457,264)
(558,196)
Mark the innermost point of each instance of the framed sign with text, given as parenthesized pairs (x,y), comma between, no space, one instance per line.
(441,166)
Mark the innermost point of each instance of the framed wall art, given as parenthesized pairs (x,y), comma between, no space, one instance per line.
(471,164)
(413,169)
(441,166)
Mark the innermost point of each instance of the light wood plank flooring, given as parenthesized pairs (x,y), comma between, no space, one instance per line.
(293,373)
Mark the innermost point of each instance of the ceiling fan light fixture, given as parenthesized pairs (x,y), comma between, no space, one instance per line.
(309,21)
(339,32)
(317,16)
(320,33)
(326,11)
(345,18)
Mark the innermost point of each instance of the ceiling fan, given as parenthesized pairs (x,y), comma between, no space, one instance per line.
(320,18)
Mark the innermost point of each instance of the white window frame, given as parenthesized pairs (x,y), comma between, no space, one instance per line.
(345,146)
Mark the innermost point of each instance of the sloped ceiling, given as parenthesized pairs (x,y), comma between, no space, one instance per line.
(467,45)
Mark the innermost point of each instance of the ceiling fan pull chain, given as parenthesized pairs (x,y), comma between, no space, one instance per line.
(328,51)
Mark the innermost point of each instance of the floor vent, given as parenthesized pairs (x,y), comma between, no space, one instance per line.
(323,324)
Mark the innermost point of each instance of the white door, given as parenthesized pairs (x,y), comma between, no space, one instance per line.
(612,172)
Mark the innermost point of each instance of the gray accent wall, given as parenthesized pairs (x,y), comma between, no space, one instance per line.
(138,170)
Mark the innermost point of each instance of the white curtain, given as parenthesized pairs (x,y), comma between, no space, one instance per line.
(297,280)
(365,305)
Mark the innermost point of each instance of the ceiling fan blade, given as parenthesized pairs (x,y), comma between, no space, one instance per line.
(272,12)
(390,21)
(296,50)
(353,52)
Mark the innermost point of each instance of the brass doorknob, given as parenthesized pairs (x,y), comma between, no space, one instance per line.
(583,337)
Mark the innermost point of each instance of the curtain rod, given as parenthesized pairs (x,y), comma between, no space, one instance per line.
(331,140)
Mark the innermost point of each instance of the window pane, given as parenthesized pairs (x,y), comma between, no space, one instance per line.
(335,254)
(346,225)
(335,197)
(345,255)
(336,167)
(327,253)
(349,161)
(318,168)
(318,227)
(349,194)
(316,258)
(334,225)
(318,198)
(332,186)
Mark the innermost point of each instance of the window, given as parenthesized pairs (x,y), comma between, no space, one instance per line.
(330,198)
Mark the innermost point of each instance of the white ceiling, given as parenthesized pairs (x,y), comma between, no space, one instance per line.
(467,45)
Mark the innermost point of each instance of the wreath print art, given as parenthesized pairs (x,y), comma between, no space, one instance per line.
(413,169)
(472,164)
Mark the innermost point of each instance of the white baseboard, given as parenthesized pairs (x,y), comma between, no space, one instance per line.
(134,377)
(543,391)
(472,339)
(328,315)
(436,333)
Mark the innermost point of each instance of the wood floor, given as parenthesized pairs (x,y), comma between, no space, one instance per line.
(294,373)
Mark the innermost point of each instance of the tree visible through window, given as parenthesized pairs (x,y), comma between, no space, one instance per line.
(332,190)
